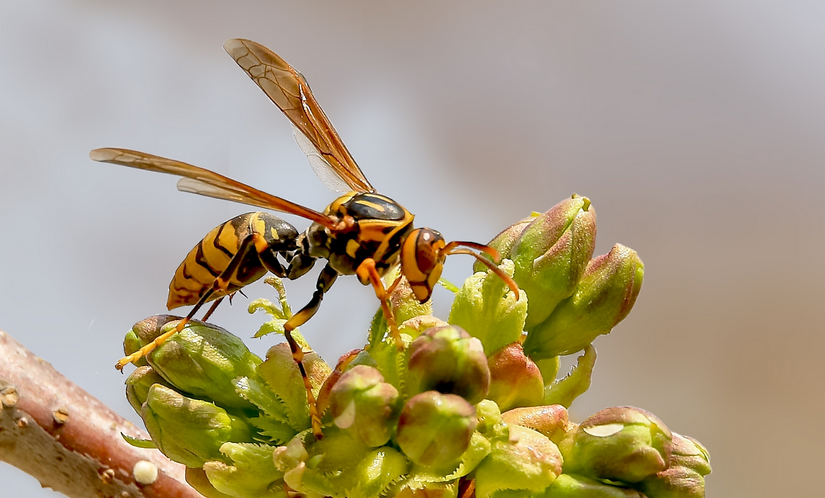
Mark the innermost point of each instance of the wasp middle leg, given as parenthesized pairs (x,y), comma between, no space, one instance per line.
(325,280)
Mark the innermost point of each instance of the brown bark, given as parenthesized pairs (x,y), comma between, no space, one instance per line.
(68,440)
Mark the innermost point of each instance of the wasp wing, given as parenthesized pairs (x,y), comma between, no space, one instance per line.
(205,182)
(316,136)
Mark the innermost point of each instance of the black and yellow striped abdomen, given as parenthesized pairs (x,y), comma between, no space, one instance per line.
(210,257)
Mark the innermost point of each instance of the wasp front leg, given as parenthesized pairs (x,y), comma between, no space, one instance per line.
(367,272)
(325,280)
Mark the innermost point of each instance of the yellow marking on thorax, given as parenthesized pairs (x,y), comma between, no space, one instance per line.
(352,248)
(382,249)
(373,230)
(373,205)
(335,206)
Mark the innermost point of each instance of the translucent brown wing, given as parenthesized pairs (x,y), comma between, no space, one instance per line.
(205,182)
(288,89)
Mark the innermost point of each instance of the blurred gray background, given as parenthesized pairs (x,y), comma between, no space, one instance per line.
(696,128)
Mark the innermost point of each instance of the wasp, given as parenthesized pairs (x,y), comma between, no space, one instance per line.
(360,233)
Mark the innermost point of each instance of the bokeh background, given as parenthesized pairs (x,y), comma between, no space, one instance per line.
(695,127)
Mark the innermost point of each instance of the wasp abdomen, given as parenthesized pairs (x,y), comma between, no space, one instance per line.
(211,256)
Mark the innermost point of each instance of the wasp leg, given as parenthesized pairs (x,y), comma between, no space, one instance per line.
(250,243)
(367,273)
(325,281)
(212,309)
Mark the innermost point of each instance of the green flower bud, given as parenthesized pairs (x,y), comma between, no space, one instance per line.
(603,298)
(689,463)
(251,475)
(203,360)
(144,332)
(504,241)
(196,477)
(526,460)
(573,486)
(689,453)
(551,254)
(283,377)
(138,384)
(378,471)
(327,467)
(190,431)
(362,402)
(549,420)
(515,379)
(291,459)
(485,307)
(490,422)
(434,429)
(621,443)
(351,358)
(446,359)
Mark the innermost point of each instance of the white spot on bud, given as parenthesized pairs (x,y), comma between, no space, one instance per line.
(603,430)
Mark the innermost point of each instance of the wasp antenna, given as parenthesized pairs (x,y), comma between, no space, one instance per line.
(450,249)
(489,264)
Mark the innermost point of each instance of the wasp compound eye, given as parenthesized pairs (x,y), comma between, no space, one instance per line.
(422,261)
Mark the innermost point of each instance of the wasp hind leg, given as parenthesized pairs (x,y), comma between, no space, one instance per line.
(325,281)
(253,242)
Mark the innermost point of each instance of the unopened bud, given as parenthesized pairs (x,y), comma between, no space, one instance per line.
(621,443)
(486,308)
(362,402)
(526,460)
(138,384)
(251,474)
(574,486)
(434,429)
(550,420)
(504,241)
(203,360)
(551,254)
(190,431)
(379,469)
(144,332)
(515,379)
(283,377)
(685,476)
(446,359)
(196,477)
(603,298)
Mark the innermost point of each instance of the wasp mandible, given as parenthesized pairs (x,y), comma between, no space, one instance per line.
(361,232)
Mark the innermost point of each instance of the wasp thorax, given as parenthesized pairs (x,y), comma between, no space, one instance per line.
(422,261)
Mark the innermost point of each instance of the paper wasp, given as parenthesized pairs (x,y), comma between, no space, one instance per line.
(362,232)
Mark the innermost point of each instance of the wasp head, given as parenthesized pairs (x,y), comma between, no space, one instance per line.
(422,260)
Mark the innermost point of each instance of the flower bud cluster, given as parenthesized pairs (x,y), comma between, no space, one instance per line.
(468,407)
